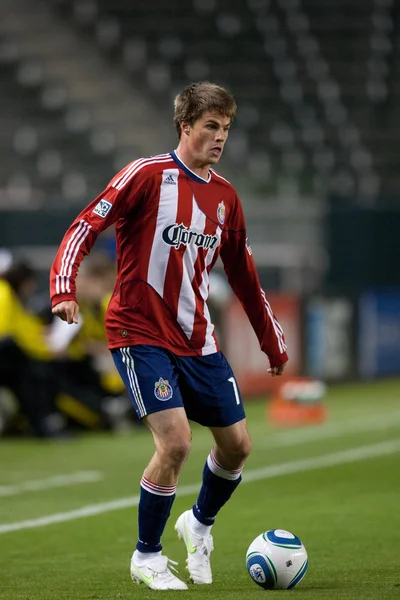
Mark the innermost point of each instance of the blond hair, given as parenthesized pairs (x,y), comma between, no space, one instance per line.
(200,97)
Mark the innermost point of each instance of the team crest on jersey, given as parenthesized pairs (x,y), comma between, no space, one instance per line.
(102,209)
(221,212)
(162,390)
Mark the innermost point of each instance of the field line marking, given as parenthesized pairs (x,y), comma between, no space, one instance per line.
(296,466)
(47,483)
(327,460)
(338,429)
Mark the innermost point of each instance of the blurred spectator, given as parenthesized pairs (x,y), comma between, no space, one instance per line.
(24,354)
(5,260)
(61,376)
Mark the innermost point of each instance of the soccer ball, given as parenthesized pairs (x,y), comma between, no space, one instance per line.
(276,560)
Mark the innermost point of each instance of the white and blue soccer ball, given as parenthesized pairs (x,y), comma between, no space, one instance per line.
(277,560)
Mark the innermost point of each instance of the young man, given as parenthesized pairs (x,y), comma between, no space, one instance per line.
(174,216)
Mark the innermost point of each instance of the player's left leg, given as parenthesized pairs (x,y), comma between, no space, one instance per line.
(222,471)
(221,475)
(212,398)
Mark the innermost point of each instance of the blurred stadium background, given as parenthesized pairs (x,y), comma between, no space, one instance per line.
(88,86)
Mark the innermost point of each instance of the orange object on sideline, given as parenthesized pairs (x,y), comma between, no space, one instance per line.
(297,402)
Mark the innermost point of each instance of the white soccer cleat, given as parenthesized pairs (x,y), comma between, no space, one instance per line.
(156,573)
(198,548)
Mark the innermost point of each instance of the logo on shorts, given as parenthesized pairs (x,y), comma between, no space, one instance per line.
(162,390)
(221,212)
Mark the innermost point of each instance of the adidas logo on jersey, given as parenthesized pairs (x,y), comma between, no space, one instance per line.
(170,179)
(175,235)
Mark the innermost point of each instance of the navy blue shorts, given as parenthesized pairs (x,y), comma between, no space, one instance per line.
(204,386)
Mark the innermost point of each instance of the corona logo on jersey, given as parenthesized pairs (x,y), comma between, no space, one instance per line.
(162,389)
(175,235)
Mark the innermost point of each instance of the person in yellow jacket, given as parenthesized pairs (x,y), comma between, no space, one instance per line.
(24,354)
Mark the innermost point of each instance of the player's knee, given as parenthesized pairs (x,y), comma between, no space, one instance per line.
(177,451)
(240,449)
(244,447)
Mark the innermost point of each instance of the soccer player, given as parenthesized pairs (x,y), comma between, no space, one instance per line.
(174,217)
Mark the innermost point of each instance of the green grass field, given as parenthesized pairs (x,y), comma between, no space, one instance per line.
(336,486)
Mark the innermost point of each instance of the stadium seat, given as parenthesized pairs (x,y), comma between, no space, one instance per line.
(307,76)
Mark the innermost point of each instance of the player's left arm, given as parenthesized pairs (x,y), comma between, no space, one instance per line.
(241,271)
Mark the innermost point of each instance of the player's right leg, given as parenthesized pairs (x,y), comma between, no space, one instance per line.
(151,380)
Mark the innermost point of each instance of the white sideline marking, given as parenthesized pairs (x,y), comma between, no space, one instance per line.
(327,460)
(296,466)
(51,482)
(332,430)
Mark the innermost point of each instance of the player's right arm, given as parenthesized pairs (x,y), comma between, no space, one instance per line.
(117,201)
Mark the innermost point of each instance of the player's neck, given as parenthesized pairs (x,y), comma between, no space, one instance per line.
(201,170)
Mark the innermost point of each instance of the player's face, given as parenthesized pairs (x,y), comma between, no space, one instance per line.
(207,137)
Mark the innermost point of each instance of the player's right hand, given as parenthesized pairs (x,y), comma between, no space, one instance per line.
(68,310)
(273,371)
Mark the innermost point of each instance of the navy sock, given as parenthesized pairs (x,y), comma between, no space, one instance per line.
(218,486)
(154,509)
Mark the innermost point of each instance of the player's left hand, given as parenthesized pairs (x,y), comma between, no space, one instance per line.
(273,371)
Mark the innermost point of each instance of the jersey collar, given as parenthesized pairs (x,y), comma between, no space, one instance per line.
(188,171)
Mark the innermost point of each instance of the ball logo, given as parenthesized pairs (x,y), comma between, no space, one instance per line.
(257,573)
(162,390)
(221,212)
(284,534)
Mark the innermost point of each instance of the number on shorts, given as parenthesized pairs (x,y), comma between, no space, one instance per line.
(235,389)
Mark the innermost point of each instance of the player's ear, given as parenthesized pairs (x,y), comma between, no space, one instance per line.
(185,128)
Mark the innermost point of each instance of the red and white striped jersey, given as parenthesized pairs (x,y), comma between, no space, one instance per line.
(171,226)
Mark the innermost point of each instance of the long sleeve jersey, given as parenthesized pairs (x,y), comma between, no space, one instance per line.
(171,227)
